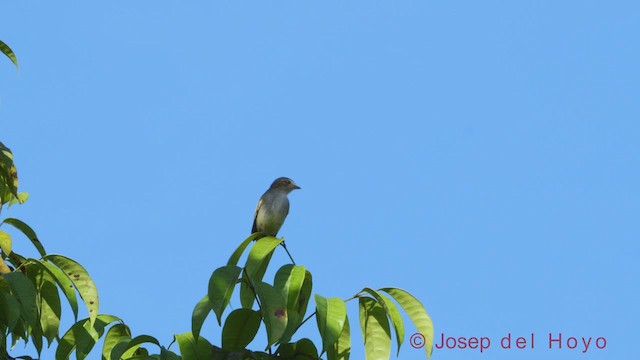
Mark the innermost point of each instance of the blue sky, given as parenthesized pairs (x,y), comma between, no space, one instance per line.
(481,155)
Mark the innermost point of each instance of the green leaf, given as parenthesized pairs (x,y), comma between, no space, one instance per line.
(192,350)
(5,242)
(65,284)
(50,308)
(221,285)
(9,53)
(392,313)
(341,350)
(259,253)
(19,332)
(199,315)
(81,280)
(82,337)
(148,357)
(4,268)
(4,286)
(305,294)
(240,328)
(25,293)
(126,349)
(5,192)
(11,310)
(20,199)
(331,314)
(274,311)
(168,355)
(247,293)
(28,232)
(257,262)
(235,257)
(3,345)
(288,281)
(416,311)
(375,330)
(36,338)
(87,338)
(117,333)
(302,349)
(8,174)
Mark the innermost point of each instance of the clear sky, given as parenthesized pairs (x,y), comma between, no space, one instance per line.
(483,155)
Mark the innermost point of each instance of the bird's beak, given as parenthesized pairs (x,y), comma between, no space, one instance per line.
(296,186)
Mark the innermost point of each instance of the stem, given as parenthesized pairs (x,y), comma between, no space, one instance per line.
(174,340)
(304,321)
(23,264)
(354,297)
(250,285)
(285,249)
(315,312)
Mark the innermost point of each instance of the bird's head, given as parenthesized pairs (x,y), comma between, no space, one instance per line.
(285,184)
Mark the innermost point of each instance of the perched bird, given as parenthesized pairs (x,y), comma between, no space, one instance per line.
(273,207)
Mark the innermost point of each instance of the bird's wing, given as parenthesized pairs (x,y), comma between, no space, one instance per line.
(286,208)
(255,217)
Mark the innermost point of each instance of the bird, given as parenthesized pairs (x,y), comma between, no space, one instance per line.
(273,208)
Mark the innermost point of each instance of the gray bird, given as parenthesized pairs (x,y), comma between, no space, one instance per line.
(273,207)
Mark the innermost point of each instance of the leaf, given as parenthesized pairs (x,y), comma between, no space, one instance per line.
(392,313)
(50,309)
(65,284)
(416,311)
(240,328)
(168,355)
(25,293)
(341,350)
(117,333)
(126,349)
(36,337)
(87,338)
(235,257)
(199,315)
(20,199)
(305,294)
(4,268)
(5,242)
(288,281)
(28,232)
(17,260)
(4,286)
(331,314)
(258,254)
(82,337)
(9,53)
(81,280)
(3,345)
(19,332)
(256,266)
(11,310)
(8,174)
(375,330)
(247,293)
(274,311)
(300,350)
(5,192)
(221,285)
(192,350)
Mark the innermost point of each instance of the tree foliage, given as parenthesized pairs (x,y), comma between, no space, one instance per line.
(31,304)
